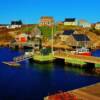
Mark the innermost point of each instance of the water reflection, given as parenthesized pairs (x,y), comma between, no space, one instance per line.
(84,71)
(74,69)
(44,67)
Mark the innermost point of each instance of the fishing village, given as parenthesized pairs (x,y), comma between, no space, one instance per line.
(73,42)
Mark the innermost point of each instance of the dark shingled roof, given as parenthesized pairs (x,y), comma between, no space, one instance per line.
(16,22)
(69,19)
(68,32)
(80,37)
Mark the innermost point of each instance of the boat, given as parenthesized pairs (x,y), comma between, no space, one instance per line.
(82,51)
(11,63)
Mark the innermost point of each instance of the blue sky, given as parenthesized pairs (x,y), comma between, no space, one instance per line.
(30,11)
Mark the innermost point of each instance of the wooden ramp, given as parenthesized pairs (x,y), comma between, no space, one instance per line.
(23,57)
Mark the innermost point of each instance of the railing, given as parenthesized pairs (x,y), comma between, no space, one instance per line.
(23,57)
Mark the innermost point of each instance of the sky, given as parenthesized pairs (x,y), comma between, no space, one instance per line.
(30,11)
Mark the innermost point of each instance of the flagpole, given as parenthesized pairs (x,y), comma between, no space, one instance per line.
(52,39)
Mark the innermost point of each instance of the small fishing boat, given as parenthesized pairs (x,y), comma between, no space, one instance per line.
(11,63)
(82,51)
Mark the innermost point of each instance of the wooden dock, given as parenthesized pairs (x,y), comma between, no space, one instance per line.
(88,59)
(91,92)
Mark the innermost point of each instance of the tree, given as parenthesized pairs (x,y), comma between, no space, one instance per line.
(47,31)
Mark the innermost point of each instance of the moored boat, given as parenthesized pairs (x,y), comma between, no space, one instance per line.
(82,51)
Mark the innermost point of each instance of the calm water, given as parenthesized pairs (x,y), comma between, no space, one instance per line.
(33,81)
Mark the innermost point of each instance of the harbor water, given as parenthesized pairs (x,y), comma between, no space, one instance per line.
(34,81)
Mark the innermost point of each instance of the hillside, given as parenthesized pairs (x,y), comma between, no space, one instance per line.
(9,34)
